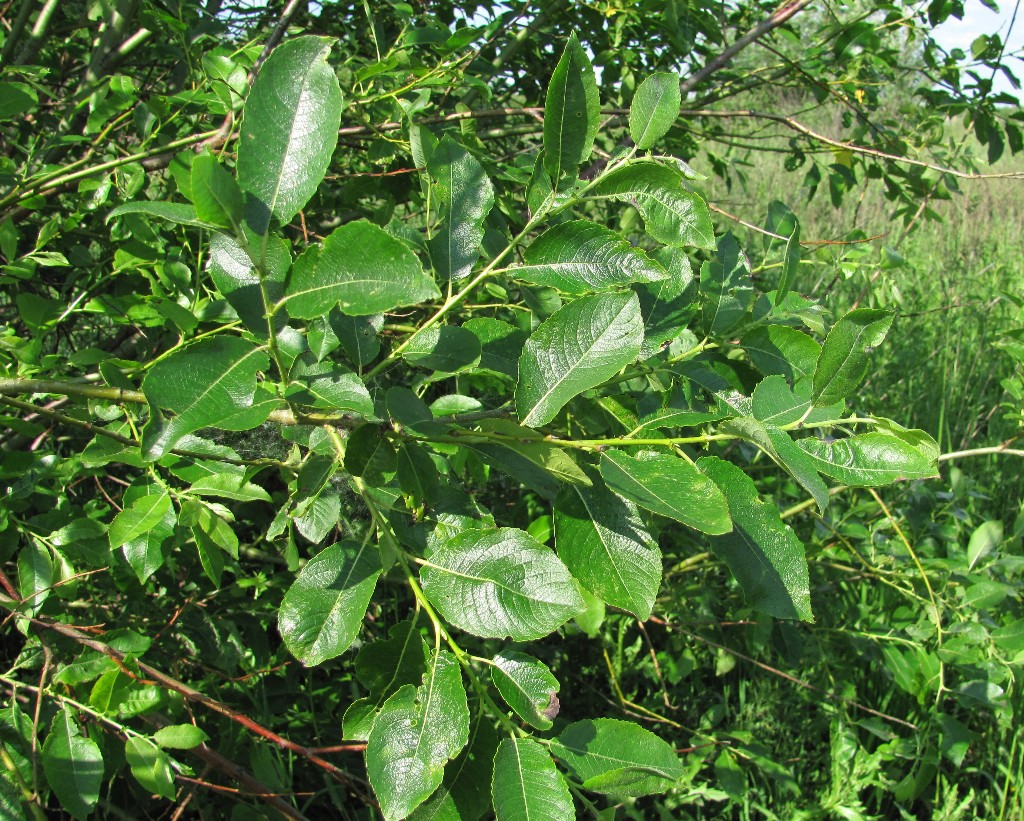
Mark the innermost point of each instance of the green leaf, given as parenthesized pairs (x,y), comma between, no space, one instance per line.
(180,737)
(235,276)
(145,552)
(330,387)
(289,131)
(602,540)
(526,786)
(655,109)
(229,486)
(370,455)
(668,305)
(466,790)
(110,691)
(498,583)
(363,270)
(215,193)
(418,476)
(872,459)
(784,452)
(464,197)
(775,403)
(572,112)
(667,485)
(726,287)
(580,346)
(445,348)
(672,215)
(175,212)
(581,256)
(138,518)
(781,350)
(501,345)
(527,686)
(203,385)
(150,766)
(323,609)
(762,551)
(790,265)
(35,574)
(73,765)
(16,100)
(526,457)
(984,541)
(843,362)
(611,756)
(417,732)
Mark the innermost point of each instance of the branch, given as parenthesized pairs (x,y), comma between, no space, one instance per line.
(779,17)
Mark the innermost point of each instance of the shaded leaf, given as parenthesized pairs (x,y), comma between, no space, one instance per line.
(726,287)
(73,765)
(150,766)
(779,349)
(215,193)
(446,349)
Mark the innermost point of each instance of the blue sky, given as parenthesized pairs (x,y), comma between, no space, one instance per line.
(980,20)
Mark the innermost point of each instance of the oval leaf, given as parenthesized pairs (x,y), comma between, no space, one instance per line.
(73,765)
(322,611)
(289,131)
(527,686)
(670,486)
(526,786)
(762,551)
(581,256)
(579,346)
(572,112)
(363,270)
(655,108)
(500,583)
(843,362)
(870,459)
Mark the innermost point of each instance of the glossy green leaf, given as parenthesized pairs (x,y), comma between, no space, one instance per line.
(178,213)
(581,345)
(726,287)
(445,348)
(180,737)
(229,486)
(602,540)
(382,667)
(843,362)
(202,385)
(526,786)
(73,765)
(790,265)
(418,731)
(668,485)
(581,256)
(572,112)
(110,690)
(463,196)
(35,574)
(235,276)
(138,518)
(331,388)
(781,350)
(322,611)
(871,459)
(778,445)
(289,131)
(497,583)
(215,194)
(672,215)
(363,270)
(145,551)
(150,766)
(527,686)
(762,551)
(611,756)
(527,458)
(654,109)
(465,792)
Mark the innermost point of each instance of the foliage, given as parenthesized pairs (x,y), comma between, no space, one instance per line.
(374,431)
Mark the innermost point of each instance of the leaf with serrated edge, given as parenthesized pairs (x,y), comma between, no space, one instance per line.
(497,583)
(578,347)
(667,485)
(526,786)
(654,109)
(762,551)
(363,270)
(289,131)
(322,611)
(527,686)
(581,256)
(612,756)
(602,540)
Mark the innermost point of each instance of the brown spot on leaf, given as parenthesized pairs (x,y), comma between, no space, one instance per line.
(553,707)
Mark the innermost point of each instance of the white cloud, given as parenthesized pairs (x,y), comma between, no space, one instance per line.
(978,20)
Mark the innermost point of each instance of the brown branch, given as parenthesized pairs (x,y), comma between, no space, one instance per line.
(777,18)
